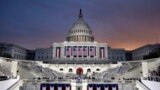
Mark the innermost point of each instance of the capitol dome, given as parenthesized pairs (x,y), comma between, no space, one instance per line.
(80,31)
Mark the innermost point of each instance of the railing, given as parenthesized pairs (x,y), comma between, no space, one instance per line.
(152,78)
(102,61)
(141,85)
(20,82)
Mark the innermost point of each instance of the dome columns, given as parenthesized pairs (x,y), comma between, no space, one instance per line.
(80,31)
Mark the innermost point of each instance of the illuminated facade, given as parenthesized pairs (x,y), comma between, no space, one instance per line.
(80,43)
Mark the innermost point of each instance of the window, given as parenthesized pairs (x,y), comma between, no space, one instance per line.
(88,70)
(97,69)
(46,57)
(70,70)
(79,88)
(61,69)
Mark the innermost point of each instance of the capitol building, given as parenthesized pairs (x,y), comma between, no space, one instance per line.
(80,43)
(78,63)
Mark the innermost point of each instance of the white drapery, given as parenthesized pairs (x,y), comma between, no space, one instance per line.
(114,88)
(67,88)
(98,88)
(43,87)
(105,88)
(51,87)
(59,88)
(90,88)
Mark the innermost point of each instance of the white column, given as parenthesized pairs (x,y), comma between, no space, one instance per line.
(62,52)
(84,85)
(57,52)
(71,52)
(88,54)
(77,51)
(106,53)
(97,52)
(54,51)
(14,68)
(145,69)
(82,51)
(102,53)
(73,85)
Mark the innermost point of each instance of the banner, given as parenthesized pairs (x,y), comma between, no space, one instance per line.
(74,51)
(92,51)
(68,51)
(85,51)
(80,51)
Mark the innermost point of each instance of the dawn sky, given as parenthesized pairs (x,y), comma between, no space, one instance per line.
(119,23)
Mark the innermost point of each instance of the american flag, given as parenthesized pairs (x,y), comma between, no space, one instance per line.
(74,50)
(92,51)
(68,51)
(85,51)
(80,50)
(49,86)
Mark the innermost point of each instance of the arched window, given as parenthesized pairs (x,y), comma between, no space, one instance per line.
(88,70)
(97,69)
(70,70)
(61,69)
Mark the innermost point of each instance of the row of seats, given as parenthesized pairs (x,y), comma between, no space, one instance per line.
(80,62)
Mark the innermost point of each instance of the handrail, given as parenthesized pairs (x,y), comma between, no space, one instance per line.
(149,60)
(142,85)
(15,84)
